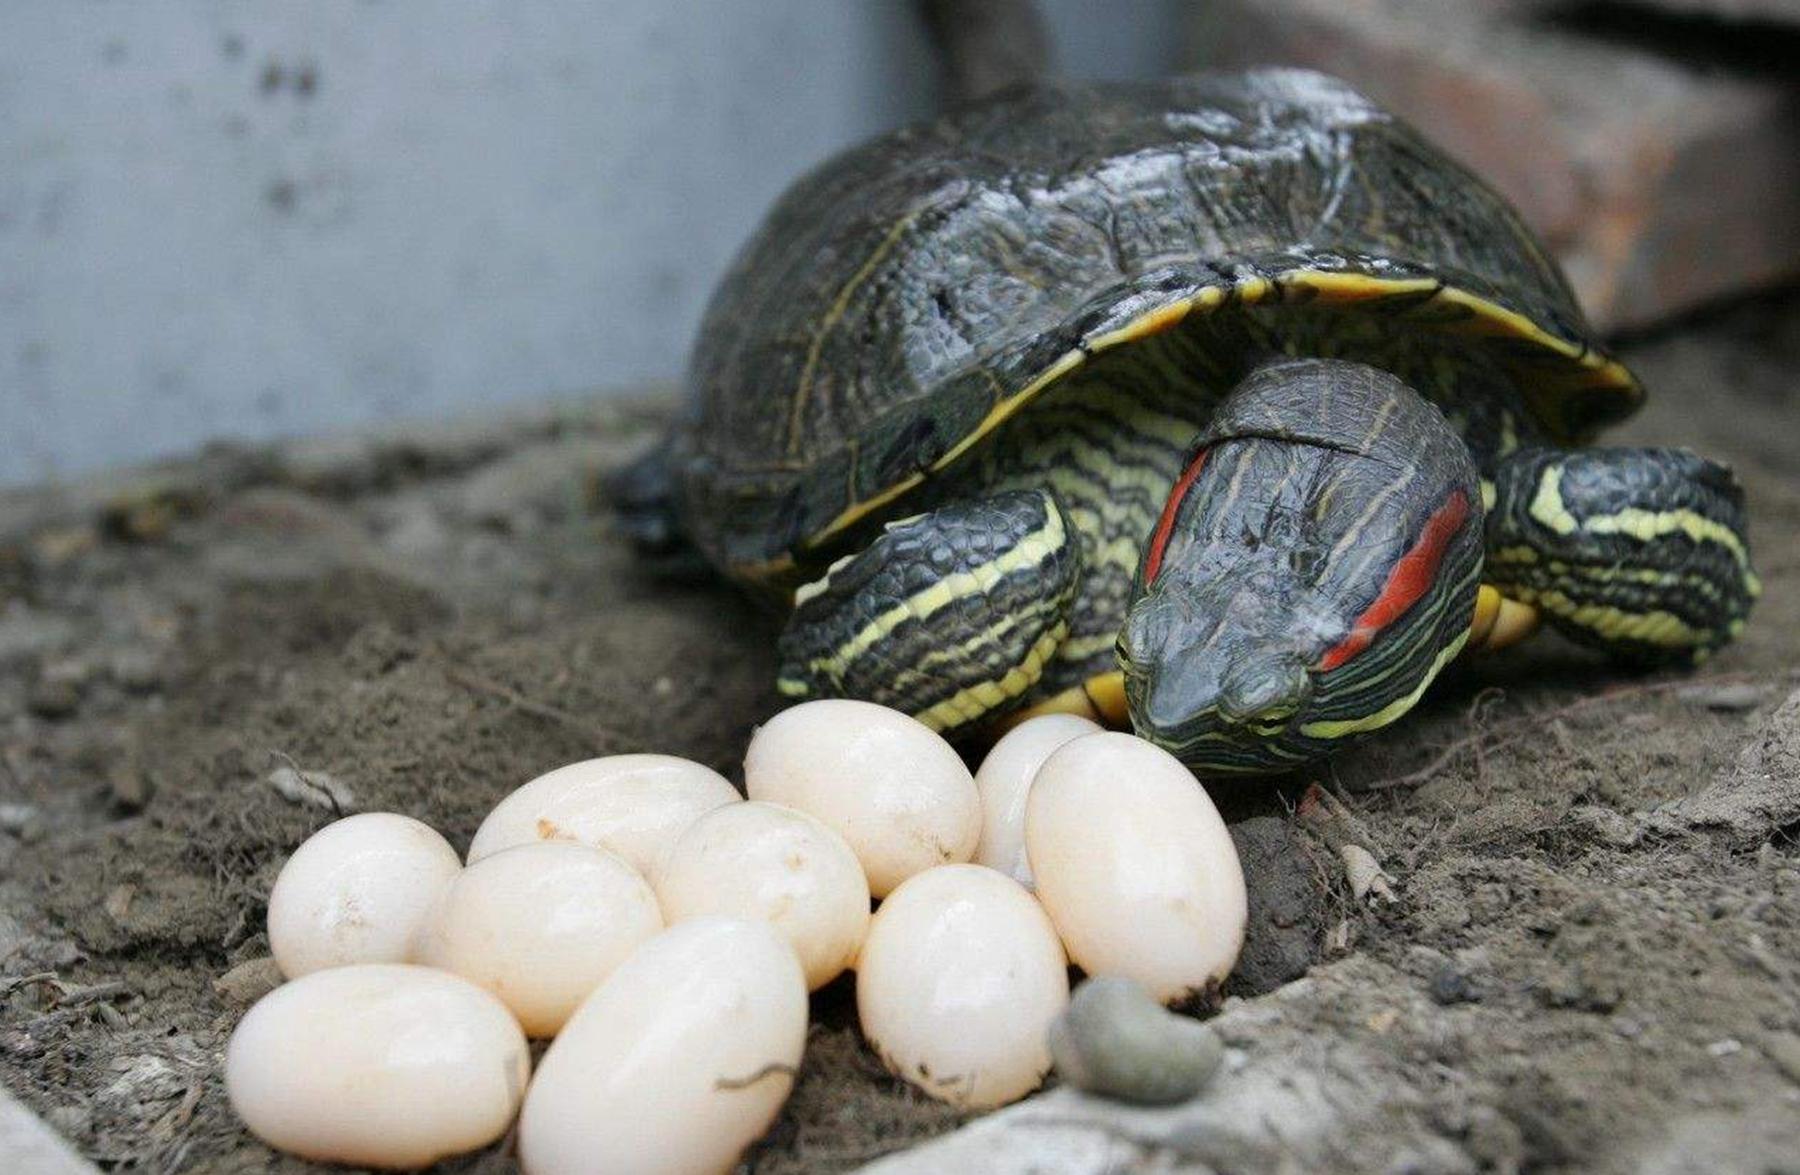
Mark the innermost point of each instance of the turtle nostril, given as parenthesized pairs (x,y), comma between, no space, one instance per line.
(1169,702)
(1265,692)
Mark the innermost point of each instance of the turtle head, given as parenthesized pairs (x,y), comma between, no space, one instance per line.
(1314,566)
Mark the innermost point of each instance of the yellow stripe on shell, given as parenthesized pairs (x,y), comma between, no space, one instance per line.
(803,388)
(1155,322)
(1486,319)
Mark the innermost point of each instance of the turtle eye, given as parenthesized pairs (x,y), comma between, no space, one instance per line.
(1146,628)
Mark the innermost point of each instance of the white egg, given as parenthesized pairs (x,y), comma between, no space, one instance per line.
(634,805)
(887,784)
(357,891)
(1135,866)
(1004,780)
(540,925)
(677,1062)
(780,866)
(377,1065)
(958,983)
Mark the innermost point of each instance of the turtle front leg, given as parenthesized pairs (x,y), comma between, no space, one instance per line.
(1640,552)
(949,616)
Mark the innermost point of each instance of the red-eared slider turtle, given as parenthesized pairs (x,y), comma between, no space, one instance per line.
(1228,402)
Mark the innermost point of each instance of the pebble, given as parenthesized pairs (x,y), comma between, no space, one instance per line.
(15,818)
(1117,1041)
(1453,985)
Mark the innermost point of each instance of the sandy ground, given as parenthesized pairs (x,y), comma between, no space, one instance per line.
(1593,961)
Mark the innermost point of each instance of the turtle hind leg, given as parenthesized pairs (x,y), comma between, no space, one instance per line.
(950,616)
(642,495)
(1641,552)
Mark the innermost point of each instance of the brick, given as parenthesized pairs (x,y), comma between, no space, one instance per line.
(1660,186)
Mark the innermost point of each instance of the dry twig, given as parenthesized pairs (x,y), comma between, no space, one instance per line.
(602,736)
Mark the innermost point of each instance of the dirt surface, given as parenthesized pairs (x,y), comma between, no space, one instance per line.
(1592,961)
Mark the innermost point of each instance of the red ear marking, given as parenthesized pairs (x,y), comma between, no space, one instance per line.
(1165,526)
(1410,579)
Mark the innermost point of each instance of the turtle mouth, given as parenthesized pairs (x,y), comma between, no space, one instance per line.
(1218,667)
(1229,726)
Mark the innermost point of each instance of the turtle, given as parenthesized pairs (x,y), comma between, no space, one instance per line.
(1225,407)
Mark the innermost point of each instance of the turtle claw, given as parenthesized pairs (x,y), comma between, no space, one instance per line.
(1500,622)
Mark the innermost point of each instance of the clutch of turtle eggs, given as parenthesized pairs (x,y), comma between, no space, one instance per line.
(663,933)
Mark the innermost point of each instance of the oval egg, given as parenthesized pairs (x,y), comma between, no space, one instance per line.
(540,925)
(958,983)
(776,865)
(357,891)
(377,1065)
(890,786)
(1004,780)
(633,805)
(1135,866)
(678,1062)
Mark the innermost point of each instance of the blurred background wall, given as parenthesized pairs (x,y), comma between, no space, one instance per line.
(224,219)
(220,219)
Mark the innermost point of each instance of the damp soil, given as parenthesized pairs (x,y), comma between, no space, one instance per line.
(202,663)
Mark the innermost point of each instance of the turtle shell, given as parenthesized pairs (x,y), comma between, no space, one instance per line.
(905,298)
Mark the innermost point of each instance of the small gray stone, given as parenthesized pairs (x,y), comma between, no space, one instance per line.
(16,818)
(1454,985)
(1116,1041)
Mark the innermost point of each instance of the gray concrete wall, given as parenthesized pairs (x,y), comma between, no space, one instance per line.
(225,220)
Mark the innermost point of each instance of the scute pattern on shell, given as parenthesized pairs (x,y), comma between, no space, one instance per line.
(900,289)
